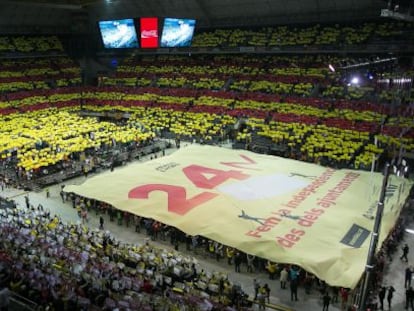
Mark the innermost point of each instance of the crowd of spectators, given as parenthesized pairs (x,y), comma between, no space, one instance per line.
(27,44)
(199,98)
(69,267)
(303,35)
(38,74)
(307,76)
(49,137)
(338,134)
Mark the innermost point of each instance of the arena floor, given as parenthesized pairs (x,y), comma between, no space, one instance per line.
(394,275)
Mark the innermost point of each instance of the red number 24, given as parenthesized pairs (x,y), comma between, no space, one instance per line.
(200,176)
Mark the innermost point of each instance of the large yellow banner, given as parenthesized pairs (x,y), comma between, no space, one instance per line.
(280,209)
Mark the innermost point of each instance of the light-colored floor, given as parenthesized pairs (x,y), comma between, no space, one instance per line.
(394,275)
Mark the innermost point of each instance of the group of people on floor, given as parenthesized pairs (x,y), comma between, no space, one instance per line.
(289,276)
(382,294)
(285,273)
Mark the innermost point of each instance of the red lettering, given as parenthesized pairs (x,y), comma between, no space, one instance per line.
(305,223)
(177,197)
(298,232)
(242,165)
(263,228)
(254,234)
(272,221)
(284,243)
(292,237)
(317,211)
(195,173)
(324,204)
(289,240)
(311,217)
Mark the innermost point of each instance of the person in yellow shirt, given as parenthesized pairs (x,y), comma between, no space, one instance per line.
(261,297)
(271,268)
(229,254)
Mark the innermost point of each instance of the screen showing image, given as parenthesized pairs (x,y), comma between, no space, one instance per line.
(118,34)
(149,32)
(177,32)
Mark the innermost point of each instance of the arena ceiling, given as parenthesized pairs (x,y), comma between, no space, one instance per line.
(209,13)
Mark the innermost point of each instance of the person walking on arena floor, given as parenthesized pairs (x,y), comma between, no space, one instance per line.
(391,291)
(27,201)
(62,195)
(409,298)
(405,250)
(294,289)
(267,289)
(283,278)
(326,300)
(250,263)
(344,297)
(261,297)
(381,296)
(101,222)
(408,277)
(237,262)
(256,286)
(229,254)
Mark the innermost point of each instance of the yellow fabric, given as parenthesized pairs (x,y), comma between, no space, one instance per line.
(283,210)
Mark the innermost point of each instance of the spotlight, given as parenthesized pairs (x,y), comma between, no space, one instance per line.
(331,68)
(355,80)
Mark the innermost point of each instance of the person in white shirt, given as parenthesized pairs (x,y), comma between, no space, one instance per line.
(283,278)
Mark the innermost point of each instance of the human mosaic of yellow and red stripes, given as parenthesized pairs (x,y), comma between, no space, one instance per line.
(300,123)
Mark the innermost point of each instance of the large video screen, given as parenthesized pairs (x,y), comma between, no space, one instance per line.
(149,32)
(119,34)
(177,32)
